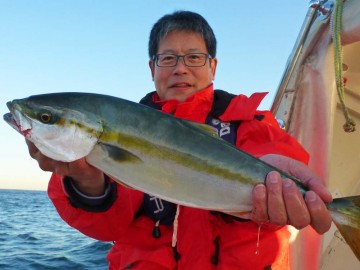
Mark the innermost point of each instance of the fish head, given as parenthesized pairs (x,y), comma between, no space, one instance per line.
(59,132)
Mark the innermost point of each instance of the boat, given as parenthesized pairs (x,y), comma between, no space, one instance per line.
(318,102)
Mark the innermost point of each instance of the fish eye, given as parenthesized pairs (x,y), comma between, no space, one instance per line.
(45,117)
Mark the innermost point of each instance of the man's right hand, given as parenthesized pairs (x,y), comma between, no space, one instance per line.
(87,179)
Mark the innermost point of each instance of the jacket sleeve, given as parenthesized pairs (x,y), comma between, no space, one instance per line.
(262,136)
(105,225)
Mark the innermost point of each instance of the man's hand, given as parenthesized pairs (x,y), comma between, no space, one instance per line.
(86,178)
(280,201)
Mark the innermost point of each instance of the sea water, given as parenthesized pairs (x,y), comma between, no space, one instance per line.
(33,236)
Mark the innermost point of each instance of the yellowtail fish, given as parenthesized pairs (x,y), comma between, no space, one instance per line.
(177,160)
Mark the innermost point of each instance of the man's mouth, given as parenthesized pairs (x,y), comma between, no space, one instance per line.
(181,85)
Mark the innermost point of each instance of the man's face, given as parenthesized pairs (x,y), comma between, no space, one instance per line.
(181,81)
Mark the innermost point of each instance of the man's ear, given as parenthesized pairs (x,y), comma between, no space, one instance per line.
(152,68)
(213,66)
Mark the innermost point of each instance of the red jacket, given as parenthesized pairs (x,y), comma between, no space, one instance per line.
(204,240)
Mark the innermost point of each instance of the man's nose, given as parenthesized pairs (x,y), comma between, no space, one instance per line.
(180,66)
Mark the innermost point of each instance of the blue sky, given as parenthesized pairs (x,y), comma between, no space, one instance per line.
(100,46)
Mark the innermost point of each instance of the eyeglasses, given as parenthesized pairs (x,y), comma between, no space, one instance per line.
(190,59)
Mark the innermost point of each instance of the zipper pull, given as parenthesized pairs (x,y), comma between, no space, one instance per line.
(156,231)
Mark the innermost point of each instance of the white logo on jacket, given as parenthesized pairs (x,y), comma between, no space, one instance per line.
(224,128)
(158,203)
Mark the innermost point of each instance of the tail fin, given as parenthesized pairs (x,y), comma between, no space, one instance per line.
(345,213)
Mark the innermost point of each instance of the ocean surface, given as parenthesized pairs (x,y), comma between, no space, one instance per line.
(34,237)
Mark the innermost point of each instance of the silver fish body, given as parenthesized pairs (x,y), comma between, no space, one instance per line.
(173,159)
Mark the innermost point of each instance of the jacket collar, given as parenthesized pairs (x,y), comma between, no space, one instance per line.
(198,106)
(195,108)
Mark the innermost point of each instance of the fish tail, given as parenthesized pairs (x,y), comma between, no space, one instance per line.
(345,213)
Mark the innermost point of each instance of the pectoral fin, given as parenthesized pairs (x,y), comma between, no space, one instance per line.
(119,154)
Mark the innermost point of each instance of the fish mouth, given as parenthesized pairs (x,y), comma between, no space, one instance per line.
(9,118)
(17,121)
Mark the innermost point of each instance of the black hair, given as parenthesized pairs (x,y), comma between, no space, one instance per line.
(181,21)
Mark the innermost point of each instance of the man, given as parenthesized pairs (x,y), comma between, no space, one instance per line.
(149,233)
